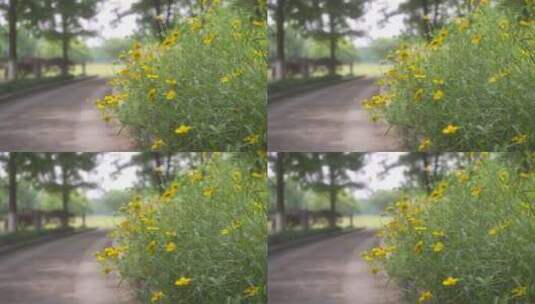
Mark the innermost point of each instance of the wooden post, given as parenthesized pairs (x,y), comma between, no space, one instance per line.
(36,215)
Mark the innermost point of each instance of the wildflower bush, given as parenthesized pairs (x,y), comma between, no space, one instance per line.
(472,240)
(202,89)
(202,241)
(470,88)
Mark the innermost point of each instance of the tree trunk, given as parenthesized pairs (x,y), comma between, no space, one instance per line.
(157,23)
(426,25)
(12,61)
(12,213)
(279,215)
(426,178)
(65,193)
(157,174)
(65,39)
(333,193)
(333,40)
(280,69)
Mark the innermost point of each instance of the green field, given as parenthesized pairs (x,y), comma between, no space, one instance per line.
(366,221)
(98,221)
(359,69)
(366,69)
(98,69)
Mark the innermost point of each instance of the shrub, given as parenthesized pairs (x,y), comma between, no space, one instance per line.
(472,240)
(202,89)
(470,88)
(202,241)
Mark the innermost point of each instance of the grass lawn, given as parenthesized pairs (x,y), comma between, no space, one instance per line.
(366,221)
(98,69)
(366,69)
(359,69)
(359,221)
(98,221)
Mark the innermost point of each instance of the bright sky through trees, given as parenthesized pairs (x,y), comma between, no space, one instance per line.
(370,23)
(103,23)
(102,175)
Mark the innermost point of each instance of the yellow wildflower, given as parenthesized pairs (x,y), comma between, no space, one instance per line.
(425,144)
(438,95)
(450,130)
(183,281)
(519,292)
(171,95)
(252,139)
(476,39)
(152,94)
(258,23)
(170,247)
(251,291)
(493,231)
(419,247)
(438,81)
(225,79)
(157,296)
(439,233)
(520,139)
(151,247)
(418,95)
(208,39)
(208,192)
(157,144)
(450,281)
(425,296)
(438,247)
(182,130)
(476,191)
(170,82)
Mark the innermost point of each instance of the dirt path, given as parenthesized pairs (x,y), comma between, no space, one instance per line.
(60,272)
(330,271)
(60,120)
(327,120)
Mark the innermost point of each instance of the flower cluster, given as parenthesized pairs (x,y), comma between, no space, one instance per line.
(463,244)
(201,88)
(188,243)
(469,88)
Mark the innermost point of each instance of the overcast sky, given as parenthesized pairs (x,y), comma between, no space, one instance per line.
(102,175)
(374,167)
(370,23)
(127,26)
(103,23)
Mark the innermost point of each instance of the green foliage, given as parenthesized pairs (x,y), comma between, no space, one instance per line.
(202,89)
(471,88)
(379,201)
(476,227)
(111,49)
(209,227)
(112,201)
(378,50)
